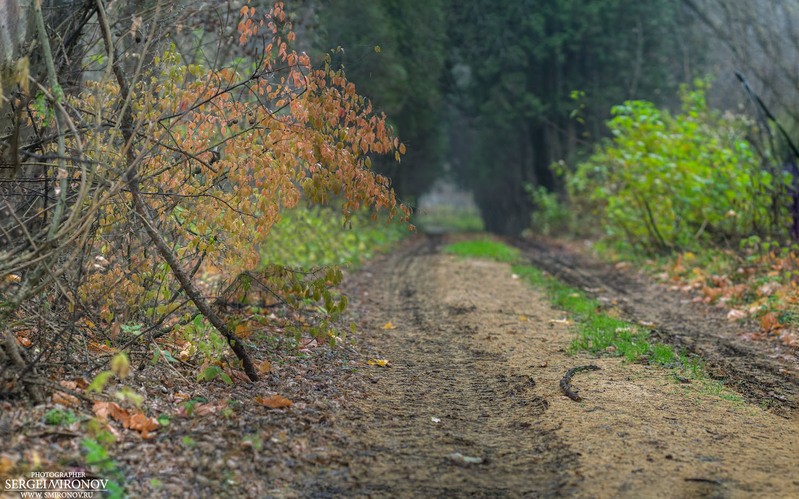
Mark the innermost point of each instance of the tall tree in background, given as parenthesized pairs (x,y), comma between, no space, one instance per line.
(759,39)
(395,51)
(515,67)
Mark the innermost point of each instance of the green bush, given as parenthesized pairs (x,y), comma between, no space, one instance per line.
(550,216)
(668,182)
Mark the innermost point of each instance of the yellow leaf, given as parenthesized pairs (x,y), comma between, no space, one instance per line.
(120,365)
(388,325)
(523,318)
(377,362)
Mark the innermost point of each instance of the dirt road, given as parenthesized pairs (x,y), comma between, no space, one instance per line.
(469,404)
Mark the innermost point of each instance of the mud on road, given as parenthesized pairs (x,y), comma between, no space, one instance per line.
(470,406)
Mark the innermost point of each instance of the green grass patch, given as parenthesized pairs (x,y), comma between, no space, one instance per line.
(598,332)
(484,248)
(602,334)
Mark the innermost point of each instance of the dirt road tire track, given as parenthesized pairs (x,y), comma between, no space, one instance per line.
(443,401)
(470,404)
(765,374)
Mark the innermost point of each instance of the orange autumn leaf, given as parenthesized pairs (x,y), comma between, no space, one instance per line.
(111,410)
(274,401)
(7,463)
(770,322)
(137,421)
(100,348)
(69,385)
(143,424)
(243,331)
(22,338)
(65,399)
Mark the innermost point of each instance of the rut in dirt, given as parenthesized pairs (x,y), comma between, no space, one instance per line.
(447,417)
(765,374)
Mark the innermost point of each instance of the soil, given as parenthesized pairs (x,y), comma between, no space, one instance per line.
(765,373)
(476,357)
(468,405)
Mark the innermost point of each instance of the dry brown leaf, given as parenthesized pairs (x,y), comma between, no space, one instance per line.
(735,314)
(68,384)
(100,348)
(180,397)
(7,463)
(106,410)
(142,424)
(204,409)
(770,322)
(274,401)
(264,367)
(243,330)
(65,399)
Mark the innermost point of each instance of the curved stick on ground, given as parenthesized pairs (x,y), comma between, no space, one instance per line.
(565,383)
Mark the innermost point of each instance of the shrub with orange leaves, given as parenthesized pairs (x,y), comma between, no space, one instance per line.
(205,160)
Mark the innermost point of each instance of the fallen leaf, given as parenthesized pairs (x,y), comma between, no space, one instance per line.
(377,362)
(388,325)
(264,367)
(100,347)
(243,330)
(180,397)
(142,424)
(65,399)
(522,318)
(306,343)
(560,321)
(735,314)
(274,401)
(239,375)
(69,385)
(7,463)
(112,410)
(770,322)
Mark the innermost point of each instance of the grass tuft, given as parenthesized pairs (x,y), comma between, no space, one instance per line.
(485,248)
